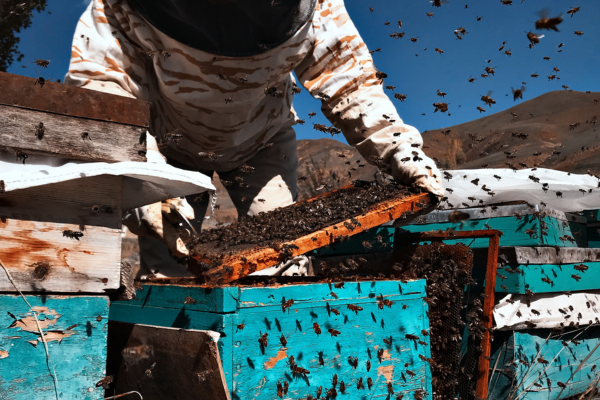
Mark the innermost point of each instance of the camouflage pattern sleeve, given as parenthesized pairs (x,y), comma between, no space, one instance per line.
(339,70)
(102,58)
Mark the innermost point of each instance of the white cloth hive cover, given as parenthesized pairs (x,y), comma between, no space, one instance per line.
(143,183)
(547,305)
(514,186)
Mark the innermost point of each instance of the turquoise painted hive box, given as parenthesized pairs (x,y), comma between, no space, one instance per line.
(75,329)
(521,225)
(547,269)
(542,365)
(372,334)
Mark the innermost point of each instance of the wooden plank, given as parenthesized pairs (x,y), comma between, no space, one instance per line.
(312,294)
(68,202)
(260,258)
(78,354)
(487,320)
(62,136)
(547,255)
(221,299)
(182,363)
(21,91)
(40,258)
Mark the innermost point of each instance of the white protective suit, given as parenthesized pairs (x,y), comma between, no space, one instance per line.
(236,111)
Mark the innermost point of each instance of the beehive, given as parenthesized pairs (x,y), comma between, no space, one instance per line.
(547,269)
(516,355)
(521,225)
(65,122)
(241,314)
(75,329)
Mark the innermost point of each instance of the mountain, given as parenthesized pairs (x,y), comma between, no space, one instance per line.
(555,130)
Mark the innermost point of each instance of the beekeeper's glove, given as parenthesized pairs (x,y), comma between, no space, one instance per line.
(158,219)
(411,167)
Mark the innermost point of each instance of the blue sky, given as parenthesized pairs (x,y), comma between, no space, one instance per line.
(419,77)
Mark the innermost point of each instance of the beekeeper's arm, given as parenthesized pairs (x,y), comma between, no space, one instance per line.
(340,67)
(103,59)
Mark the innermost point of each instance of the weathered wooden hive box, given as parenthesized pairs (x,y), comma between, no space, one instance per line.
(520,373)
(374,334)
(33,244)
(521,224)
(65,279)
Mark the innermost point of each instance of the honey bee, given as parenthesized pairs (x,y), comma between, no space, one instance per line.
(165,54)
(263,339)
(487,99)
(353,361)
(581,267)
(390,388)
(287,304)
(480,109)
(189,300)
(397,35)
(334,295)
(21,156)
(576,277)
(72,234)
(369,382)
(368,365)
(579,33)
(213,157)
(317,328)
(547,23)
(333,332)
(311,114)
(443,107)
(137,352)
(241,327)
(355,308)
(410,373)
(104,382)
(533,38)
(518,93)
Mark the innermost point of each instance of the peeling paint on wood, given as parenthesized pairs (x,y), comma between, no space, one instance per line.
(252,372)
(78,354)
(512,347)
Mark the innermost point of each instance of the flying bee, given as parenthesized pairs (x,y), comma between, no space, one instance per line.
(547,23)
(487,99)
(72,234)
(104,382)
(579,33)
(533,38)
(414,39)
(443,107)
(213,157)
(480,109)
(518,93)
(397,35)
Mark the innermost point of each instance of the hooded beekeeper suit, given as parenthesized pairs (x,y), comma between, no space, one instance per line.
(218,75)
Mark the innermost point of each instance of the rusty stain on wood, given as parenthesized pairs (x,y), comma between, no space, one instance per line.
(271,362)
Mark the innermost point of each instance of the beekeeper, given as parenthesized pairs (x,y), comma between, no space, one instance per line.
(218,74)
